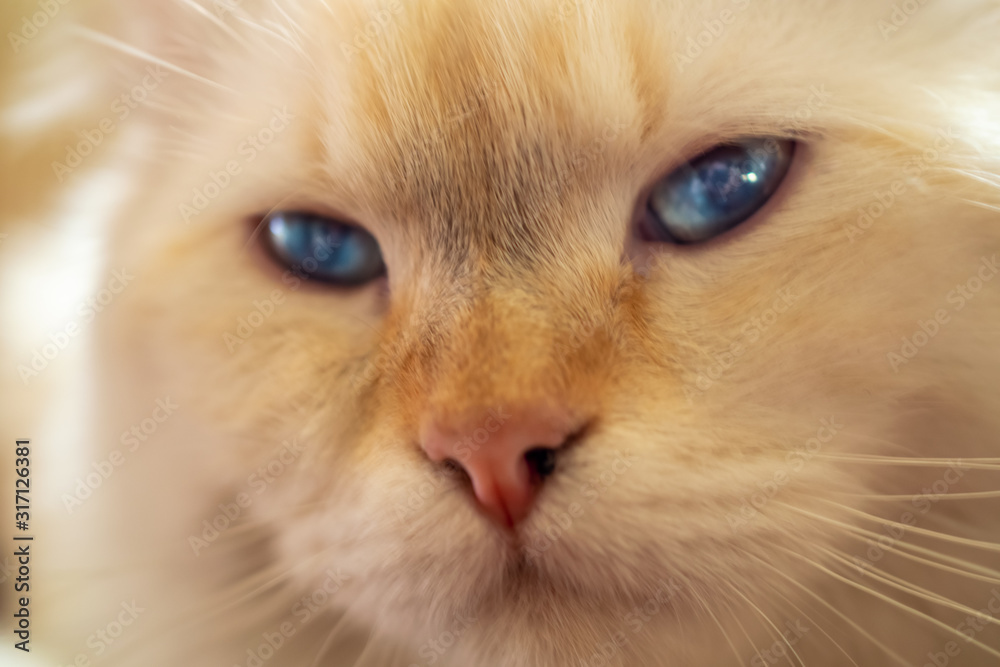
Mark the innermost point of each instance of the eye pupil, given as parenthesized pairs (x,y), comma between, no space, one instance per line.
(718,190)
(324,249)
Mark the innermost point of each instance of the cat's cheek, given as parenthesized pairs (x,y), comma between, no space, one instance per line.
(590,493)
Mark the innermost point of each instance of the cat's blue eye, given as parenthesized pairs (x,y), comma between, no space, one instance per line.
(323,249)
(718,190)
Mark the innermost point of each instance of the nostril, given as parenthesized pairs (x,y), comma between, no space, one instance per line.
(542,461)
(454,469)
(504,463)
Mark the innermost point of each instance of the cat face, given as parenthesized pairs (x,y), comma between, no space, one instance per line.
(710,412)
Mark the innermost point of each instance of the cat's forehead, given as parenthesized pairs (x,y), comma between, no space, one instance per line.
(460,112)
(490,124)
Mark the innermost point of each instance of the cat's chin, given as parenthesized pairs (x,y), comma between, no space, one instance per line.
(526,607)
(503,583)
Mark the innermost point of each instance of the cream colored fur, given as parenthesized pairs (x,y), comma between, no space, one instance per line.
(498,151)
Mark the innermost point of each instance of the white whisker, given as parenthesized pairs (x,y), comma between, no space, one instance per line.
(893,602)
(128,49)
(917,530)
(217,22)
(857,628)
(908,587)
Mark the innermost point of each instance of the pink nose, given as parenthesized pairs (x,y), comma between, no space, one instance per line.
(506,455)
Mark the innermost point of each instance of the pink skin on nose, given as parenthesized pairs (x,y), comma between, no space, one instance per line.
(501,477)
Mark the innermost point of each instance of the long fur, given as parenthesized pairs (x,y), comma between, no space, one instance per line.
(764,454)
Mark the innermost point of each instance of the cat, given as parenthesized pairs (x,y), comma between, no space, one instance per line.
(522,333)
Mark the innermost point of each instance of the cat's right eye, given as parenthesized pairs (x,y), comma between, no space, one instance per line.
(322,248)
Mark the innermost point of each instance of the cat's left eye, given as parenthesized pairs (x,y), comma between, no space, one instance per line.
(717,191)
(323,249)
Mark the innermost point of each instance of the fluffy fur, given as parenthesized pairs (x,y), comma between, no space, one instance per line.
(754,444)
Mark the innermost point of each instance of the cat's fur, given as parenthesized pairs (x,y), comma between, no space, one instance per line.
(498,150)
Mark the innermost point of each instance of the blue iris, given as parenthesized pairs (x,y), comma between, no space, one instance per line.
(324,249)
(718,190)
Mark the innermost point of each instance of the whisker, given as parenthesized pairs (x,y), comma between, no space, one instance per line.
(895,603)
(981,204)
(215,20)
(939,566)
(914,547)
(968,495)
(764,616)
(815,625)
(861,631)
(283,39)
(330,640)
(128,49)
(979,544)
(908,587)
(968,463)
(732,646)
(272,581)
(736,619)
